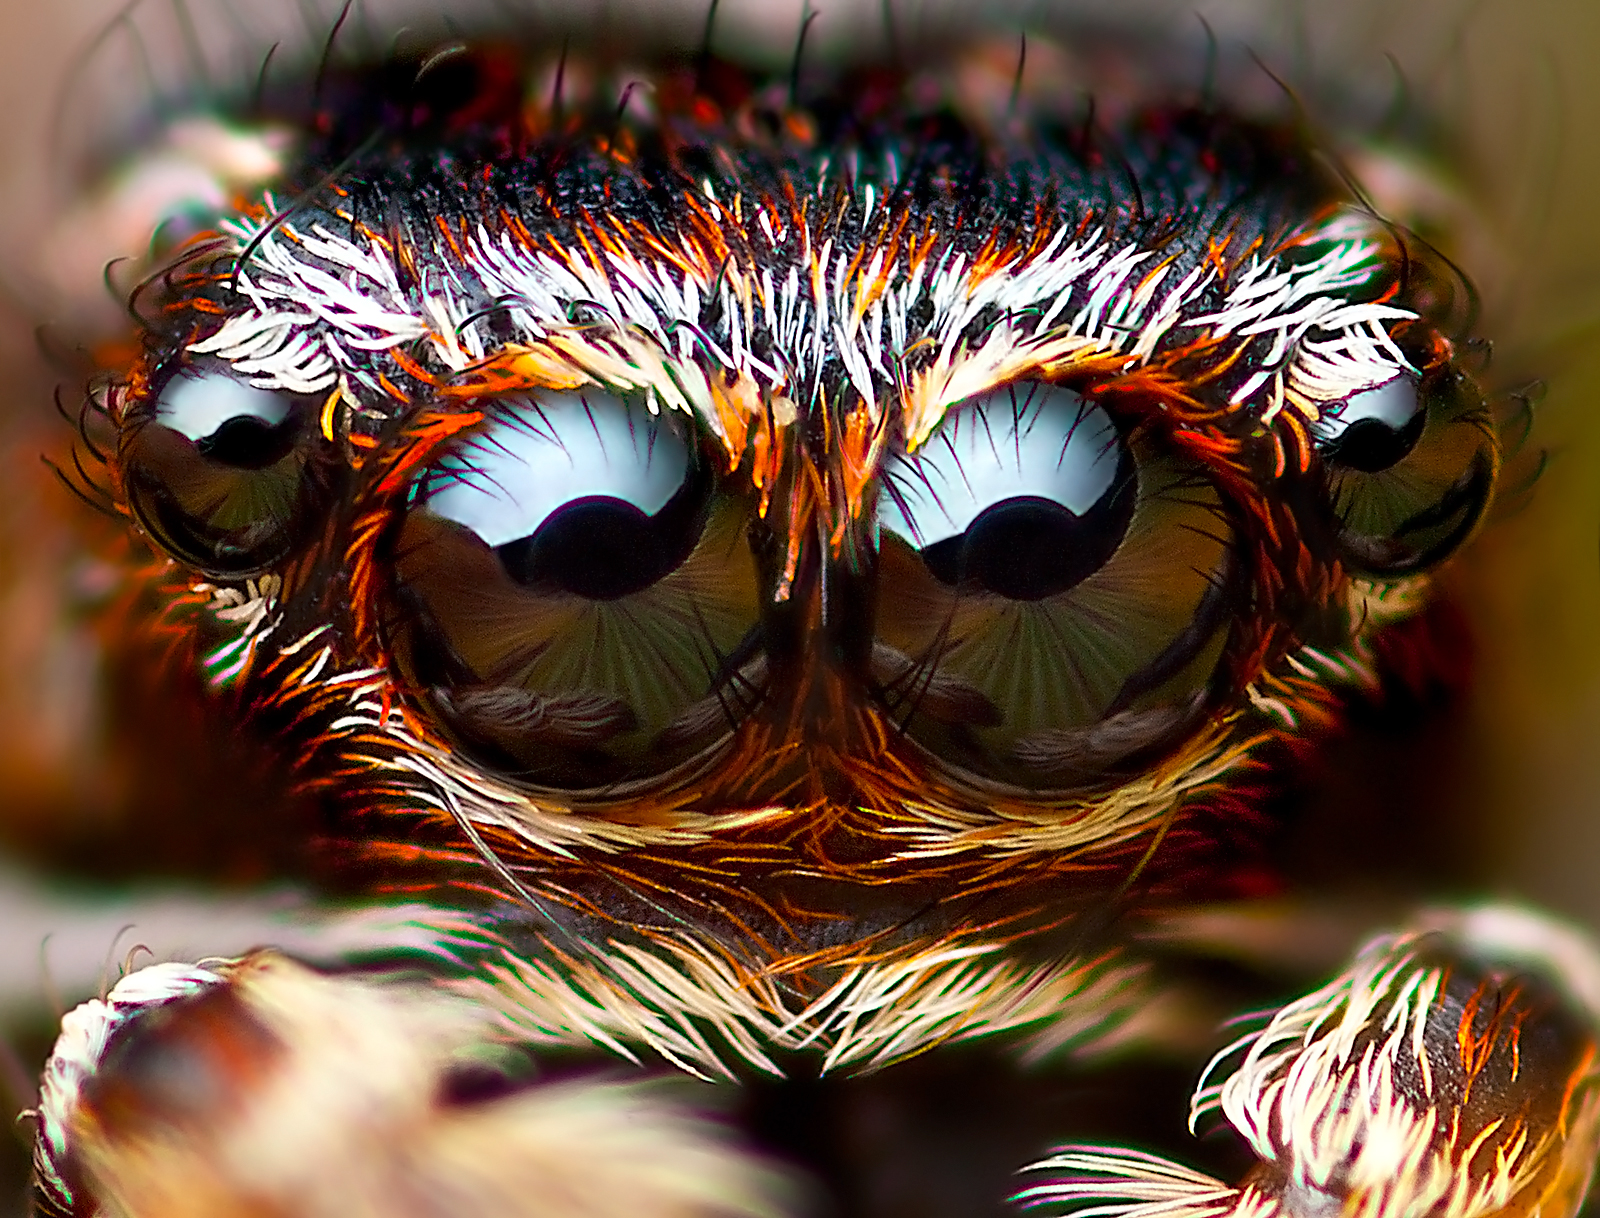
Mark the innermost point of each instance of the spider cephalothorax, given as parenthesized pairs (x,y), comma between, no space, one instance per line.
(841,531)
(792,563)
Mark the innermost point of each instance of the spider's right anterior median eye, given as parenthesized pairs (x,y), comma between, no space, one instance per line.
(227,478)
(578,493)
(575,593)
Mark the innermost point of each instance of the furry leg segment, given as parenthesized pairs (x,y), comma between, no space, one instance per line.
(1450,1070)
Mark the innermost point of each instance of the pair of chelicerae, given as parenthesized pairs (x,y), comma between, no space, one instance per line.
(772,577)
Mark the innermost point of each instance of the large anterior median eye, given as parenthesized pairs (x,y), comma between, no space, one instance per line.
(1410,469)
(225,477)
(576,596)
(1054,595)
(1024,494)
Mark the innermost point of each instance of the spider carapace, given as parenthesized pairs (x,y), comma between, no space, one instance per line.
(780,573)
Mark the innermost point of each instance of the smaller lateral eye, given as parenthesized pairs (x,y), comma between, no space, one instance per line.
(1373,430)
(227,478)
(1409,468)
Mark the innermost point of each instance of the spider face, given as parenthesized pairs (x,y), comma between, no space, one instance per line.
(827,531)
(776,573)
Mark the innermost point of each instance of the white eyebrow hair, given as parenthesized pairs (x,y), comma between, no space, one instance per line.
(322,306)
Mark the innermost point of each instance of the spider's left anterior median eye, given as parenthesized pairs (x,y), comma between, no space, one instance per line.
(227,478)
(1410,469)
(1024,494)
(1054,592)
(574,593)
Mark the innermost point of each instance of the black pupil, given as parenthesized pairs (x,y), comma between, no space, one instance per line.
(1028,548)
(603,549)
(1371,445)
(246,442)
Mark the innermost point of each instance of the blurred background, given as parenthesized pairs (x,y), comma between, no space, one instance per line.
(119,826)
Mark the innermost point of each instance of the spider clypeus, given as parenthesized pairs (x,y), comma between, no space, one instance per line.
(800,575)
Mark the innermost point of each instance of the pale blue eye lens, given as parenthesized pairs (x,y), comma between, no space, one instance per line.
(198,405)
(541,456)
(1393,404)
(1038,442)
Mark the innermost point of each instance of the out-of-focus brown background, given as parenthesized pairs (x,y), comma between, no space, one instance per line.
(1514,775)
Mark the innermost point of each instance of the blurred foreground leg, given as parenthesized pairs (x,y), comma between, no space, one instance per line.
(262,1087)
(1450,1071)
